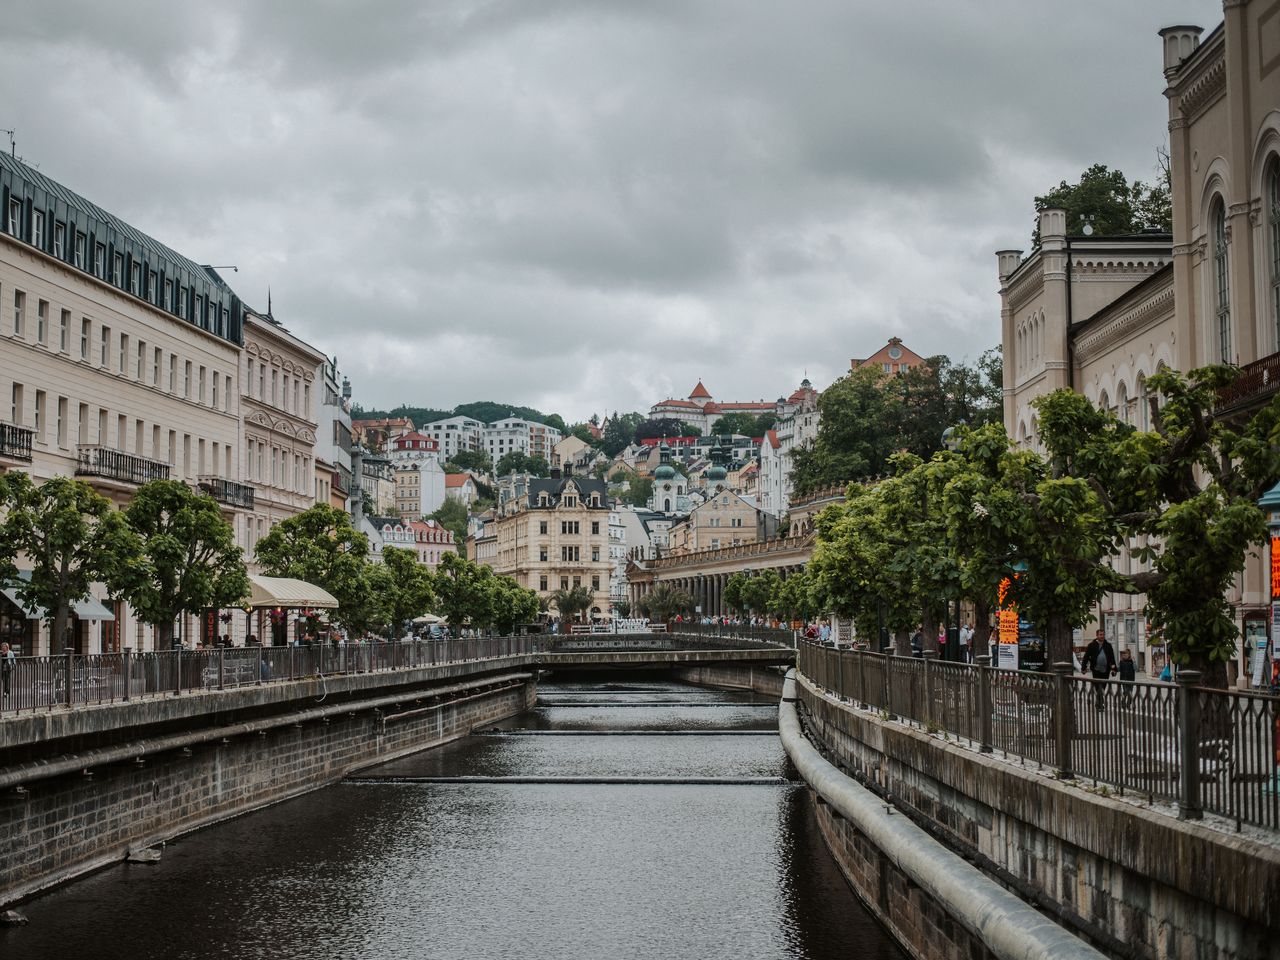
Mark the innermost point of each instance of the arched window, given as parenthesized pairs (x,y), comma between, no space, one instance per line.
(1221,284)
(1144,405)
(1122,403)
(1104,401)
(1273,232)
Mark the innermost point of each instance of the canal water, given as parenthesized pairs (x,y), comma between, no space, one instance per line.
(562,834)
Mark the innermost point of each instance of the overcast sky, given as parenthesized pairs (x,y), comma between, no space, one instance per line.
(586,205)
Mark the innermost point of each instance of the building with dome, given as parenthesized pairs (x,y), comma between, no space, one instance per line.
(670,486)
(724,519)
(700,409)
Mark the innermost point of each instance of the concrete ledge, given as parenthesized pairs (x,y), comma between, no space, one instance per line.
(1008,926)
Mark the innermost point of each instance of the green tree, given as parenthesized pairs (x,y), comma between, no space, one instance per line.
(407,587)
(556,421)
(794,597)
(570,604)
(518,462)
(464,591)
(321,546)
(453,516)
(764,423)
(638,489)
(1109,203)
(619,433)
(741,424)
(72,537)
(733,592)
(622,608)
(760,590)
(856,436)
(513,605)
(189,559)
(583,433)
(665,601)
(465,460)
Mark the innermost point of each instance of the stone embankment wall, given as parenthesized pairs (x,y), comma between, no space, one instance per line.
(764,680)
(1133,882)
(133,795)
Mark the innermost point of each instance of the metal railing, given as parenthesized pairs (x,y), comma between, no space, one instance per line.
(1256,382)
(782,636)
(72,680)
(96,461)
(15,442)
(1207,750)
(228,491)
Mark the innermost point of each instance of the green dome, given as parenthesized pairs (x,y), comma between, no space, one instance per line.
(717,473)
(664,472)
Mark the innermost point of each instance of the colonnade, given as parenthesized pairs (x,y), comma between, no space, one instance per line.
(707,589)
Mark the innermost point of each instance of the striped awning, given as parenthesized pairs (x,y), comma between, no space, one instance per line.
(88,609)
(288,593)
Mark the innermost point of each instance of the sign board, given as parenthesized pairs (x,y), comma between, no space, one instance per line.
(1007,656)
(1275,568)
(1275,629)
(1007,616)
(1258,665)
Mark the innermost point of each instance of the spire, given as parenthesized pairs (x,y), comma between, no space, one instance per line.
(700,392)
(269,303)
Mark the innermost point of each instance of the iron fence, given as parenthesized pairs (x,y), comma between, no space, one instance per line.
(1203,749)
(71,680)
(782,636)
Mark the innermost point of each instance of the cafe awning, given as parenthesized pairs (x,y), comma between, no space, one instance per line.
(89,609)
(288,593)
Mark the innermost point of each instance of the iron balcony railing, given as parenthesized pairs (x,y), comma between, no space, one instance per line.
(1257,381)
(15,442)
(228,492)
(1203,750)
(96,461)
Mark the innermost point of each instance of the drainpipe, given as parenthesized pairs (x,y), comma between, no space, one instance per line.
(1071,346)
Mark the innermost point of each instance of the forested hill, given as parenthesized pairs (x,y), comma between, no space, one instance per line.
(486,411)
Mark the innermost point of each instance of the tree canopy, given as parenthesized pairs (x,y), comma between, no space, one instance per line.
(1111,204)
(465,460)
(519,462)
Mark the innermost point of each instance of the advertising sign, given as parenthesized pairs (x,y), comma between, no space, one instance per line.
(1006,628)
(1007,656)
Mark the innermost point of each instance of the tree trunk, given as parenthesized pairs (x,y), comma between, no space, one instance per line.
(901,642)
(1213,673)
(980,643)
(1058,641)
(58,642)
(164,634)
(929,627)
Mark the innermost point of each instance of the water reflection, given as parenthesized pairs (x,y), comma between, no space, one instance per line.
(566,871)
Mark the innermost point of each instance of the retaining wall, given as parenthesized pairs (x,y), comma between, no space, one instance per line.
(55,828)
(1135,882)
(766,681)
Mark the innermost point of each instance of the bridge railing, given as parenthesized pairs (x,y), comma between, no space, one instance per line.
(1205,750)
(72,680)
(783,636)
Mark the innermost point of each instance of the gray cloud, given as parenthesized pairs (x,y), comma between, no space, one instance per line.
(585,205)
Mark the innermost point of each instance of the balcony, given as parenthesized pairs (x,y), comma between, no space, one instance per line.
(95,461)
(227,492)
(15,442)
(1256,383)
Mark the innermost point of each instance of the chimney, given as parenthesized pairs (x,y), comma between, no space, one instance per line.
(1179,43)
(555,473)
(1008,261)
(1053,225)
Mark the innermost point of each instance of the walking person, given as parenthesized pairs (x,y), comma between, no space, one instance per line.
(966,643)
(1100,661)
(1128,671)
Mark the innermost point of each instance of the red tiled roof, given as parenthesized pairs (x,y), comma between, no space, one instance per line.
(432,443)
(700,392)
(688,404)
(772,436)
(456,479)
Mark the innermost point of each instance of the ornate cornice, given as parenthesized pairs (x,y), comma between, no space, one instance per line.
(1206,88)
(1106,335)
(1024,288)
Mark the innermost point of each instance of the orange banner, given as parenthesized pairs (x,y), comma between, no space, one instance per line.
(1007,618)
(1275,568)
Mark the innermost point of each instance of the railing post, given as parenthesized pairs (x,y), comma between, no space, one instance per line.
(1062,719)
(222,677)
(262,658)
(887,706)
(1190,806)
(69,666)
(177,671)
(984,702)
(929,656)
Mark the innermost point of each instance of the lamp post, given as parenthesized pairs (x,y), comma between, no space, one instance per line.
(951,442)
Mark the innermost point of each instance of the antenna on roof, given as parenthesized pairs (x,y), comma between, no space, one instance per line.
(269,302)
(225,266)
(13,143)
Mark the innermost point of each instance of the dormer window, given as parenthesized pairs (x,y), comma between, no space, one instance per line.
(15,217)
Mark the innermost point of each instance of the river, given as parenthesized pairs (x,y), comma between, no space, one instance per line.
(566,838)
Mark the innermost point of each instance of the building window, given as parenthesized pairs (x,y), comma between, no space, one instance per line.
(595,582)
(213,402)
(79,250)
(569,554)
(542,526)
(62,422)
(564,583)
(152,281)
(1273,224)
(124,351)
(100,260)
(64,332)
(595,526)
(135,279)
(60,240)
(173,373)
(85,323)
(542,584)
(542,554)
(105,359)
(595,554)
(1222,288)
(19,309)
(42,315)
(15,217)
(142,361)
(37,228)
(117,269)
(16,411)
(186,379)
(39,422)
(168,295)
(155,366)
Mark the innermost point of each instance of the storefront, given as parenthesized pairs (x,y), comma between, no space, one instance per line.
(23,621)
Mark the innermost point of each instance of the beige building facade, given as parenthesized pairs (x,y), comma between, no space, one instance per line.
(554,535)
(1102,314)
(726,519)
(278,397)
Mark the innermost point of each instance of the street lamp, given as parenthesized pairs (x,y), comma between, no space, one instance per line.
(951,443)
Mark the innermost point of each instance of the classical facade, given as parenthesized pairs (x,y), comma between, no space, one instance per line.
(431,541)
(893,357)
(278,400)
(725,519)
(553,534)
(1101,314)
(420,477)
(119,364)
(700,409)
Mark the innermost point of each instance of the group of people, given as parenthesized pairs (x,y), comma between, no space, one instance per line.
(964,639)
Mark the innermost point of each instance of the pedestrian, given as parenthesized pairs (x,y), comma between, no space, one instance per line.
(1100,661)
(917,642)
(7,662)
(1128,671)
(966,643)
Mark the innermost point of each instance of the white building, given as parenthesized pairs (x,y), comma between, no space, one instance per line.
(420,477)
(515,435)
(455,434)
